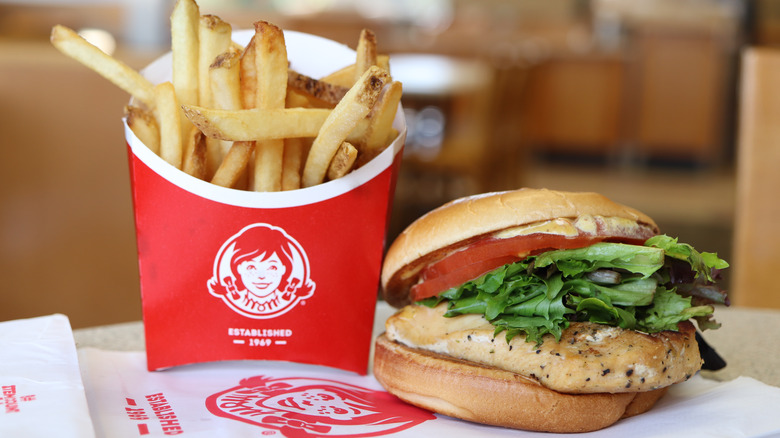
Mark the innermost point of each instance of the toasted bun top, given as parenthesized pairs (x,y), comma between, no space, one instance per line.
(469,218)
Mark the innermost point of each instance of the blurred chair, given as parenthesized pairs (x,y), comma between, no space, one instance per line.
(756,258)
(67,242)
(447,103)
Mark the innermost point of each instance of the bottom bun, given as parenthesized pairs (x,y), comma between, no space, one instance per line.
(487,395)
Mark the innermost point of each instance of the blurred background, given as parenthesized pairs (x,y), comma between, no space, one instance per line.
(635,99)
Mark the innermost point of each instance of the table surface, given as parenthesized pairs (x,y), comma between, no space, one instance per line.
(747,340)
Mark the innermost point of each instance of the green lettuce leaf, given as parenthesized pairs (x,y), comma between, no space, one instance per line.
(542,294)
(668,310)
(702,263)
(632,258)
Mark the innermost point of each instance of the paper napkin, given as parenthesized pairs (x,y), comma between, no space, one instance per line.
(41,392)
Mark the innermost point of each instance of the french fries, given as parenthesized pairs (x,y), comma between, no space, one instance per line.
(225,81)
(185,22)
(380,126)
(234,164)
(355,105)
(254,124)
(342,161)
(366,53)
(167,114)
(144,125)
(325,92)
(271,93)
(224,78)
(240,117)
(214,38)
(248,74)
(185,47)
(345,77)
(294,151)
(73,45)
(195,154)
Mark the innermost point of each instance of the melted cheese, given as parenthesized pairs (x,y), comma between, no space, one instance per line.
(563,227)
(585,224)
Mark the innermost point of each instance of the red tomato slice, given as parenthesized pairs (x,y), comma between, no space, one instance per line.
(440,283)
(484,256)
(519,246)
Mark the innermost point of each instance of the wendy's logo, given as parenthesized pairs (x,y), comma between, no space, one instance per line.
(261,272)
(303,407)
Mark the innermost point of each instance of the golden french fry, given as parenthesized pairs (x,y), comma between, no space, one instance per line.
(269,155)
(292,164)
(234,165)
(144,126)
(343,77)
(235,47)
(225,81)
(214,148)
(380,123)
(253,124)
(224,75)
(71,44)
(225,89)
(343,161)
(214,38)
(271,93)
(366,53)
(391,136)
(271,66)
(257,124)
(167,114)
(359,132)
(194,160)
(185,19)
(248,74)
(325,92)
(296,99)
(383,62)
(185,47)
(355,105)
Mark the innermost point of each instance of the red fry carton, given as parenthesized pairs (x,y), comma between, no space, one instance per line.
(231,275)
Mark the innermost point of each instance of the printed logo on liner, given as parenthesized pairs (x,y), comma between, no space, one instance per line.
(10,400)
(261,272)
(301,407)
